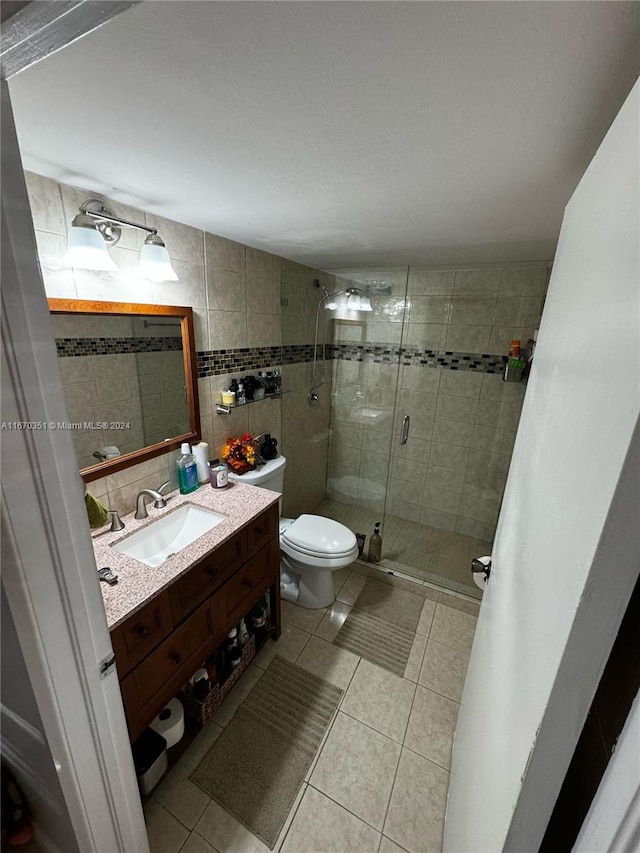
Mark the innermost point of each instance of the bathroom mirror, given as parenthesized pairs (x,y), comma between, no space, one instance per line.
(129,376)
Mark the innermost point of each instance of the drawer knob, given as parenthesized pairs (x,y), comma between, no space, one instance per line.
(211,570)
(247,582)
(143,631)
(176,657)
(260,530)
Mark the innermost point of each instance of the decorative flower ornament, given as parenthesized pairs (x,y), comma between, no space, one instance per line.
(240,453)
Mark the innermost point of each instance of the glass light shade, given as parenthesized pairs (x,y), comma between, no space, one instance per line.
(155,263)
(86,250)
(353,301)
(349,306)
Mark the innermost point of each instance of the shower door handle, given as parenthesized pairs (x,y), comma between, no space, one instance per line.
(406,422)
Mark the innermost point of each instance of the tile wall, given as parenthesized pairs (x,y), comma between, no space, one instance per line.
(464,417)
(242,298)
(251,307)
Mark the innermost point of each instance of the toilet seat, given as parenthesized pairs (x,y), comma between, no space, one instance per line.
(318,537)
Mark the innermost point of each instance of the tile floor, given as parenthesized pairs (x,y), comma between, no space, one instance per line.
(428,553)
(379,781)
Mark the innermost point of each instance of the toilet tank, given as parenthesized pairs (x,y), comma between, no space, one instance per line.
(267,476)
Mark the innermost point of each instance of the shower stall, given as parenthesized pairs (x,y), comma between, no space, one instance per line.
(419,425)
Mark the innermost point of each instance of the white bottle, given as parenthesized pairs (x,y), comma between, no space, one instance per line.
(243,634)
(241,398)
(200,453)
(187,471)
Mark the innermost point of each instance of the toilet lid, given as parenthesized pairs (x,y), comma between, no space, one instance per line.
(313,534)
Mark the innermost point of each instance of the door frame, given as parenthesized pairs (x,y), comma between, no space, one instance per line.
(49,571)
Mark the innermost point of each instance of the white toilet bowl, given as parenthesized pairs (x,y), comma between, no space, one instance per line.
(312,548)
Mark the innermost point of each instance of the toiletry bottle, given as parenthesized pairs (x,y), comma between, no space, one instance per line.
(187,471)
(240,395)
(277,382)
(243,634)
(375,544)
(234,387)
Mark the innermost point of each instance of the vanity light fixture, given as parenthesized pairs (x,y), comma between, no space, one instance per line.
(96,227)
(348,304)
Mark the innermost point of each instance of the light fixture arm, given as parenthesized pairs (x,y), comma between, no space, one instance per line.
(107,223)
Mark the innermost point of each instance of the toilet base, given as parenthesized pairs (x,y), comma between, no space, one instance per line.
(313,590)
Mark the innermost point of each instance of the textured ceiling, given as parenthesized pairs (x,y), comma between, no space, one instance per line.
(337,133)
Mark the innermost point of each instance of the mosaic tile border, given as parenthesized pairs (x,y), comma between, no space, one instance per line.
(74,347)
(217,362)
(413,356)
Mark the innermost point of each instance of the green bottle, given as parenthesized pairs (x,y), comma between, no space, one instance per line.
(187,471)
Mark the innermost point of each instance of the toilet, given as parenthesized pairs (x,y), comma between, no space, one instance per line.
(312,548)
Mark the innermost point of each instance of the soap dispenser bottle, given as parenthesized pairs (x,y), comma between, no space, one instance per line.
(187,471)
(375,544)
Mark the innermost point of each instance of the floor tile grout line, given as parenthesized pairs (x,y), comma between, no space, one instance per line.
(420,755)
(342,806)
(377,731)
(399,846)
(393,784)
(316,757)
(205,840)
(291,817)
(174,815)
(444,695)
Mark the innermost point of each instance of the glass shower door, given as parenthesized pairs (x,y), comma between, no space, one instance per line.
(363,423)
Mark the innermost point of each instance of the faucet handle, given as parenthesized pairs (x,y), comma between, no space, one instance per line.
(161,501)
(116,522)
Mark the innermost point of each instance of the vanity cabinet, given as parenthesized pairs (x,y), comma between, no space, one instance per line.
(160,647)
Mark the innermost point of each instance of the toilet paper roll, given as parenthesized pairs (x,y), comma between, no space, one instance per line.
(170,722)
(201,455)
(478,577)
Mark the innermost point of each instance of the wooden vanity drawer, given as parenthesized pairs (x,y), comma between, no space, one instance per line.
(262,530)
(205,577)
(140,634)
(240,592)
(174,661)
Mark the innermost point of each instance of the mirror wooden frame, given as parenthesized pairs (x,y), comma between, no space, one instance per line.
(185,314)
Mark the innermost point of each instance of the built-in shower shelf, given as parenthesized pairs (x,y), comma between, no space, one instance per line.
(224,409)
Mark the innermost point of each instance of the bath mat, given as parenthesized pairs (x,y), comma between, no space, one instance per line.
(381,625)
(257,765)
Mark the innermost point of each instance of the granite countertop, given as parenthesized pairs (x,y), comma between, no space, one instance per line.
(137,582)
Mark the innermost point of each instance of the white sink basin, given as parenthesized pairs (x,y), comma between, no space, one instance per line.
(169,534)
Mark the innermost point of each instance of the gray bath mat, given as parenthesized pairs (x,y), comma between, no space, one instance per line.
(257,765)
(381,625)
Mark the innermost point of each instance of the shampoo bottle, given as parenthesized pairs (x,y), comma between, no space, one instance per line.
(375,544)
(187,471)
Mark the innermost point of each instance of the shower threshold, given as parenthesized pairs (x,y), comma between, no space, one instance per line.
(423,553)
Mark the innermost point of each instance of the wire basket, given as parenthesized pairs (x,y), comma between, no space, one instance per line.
(201,712)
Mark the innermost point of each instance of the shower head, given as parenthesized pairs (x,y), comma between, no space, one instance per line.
(317,283)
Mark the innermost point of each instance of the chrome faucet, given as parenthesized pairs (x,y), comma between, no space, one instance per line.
(158,500)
